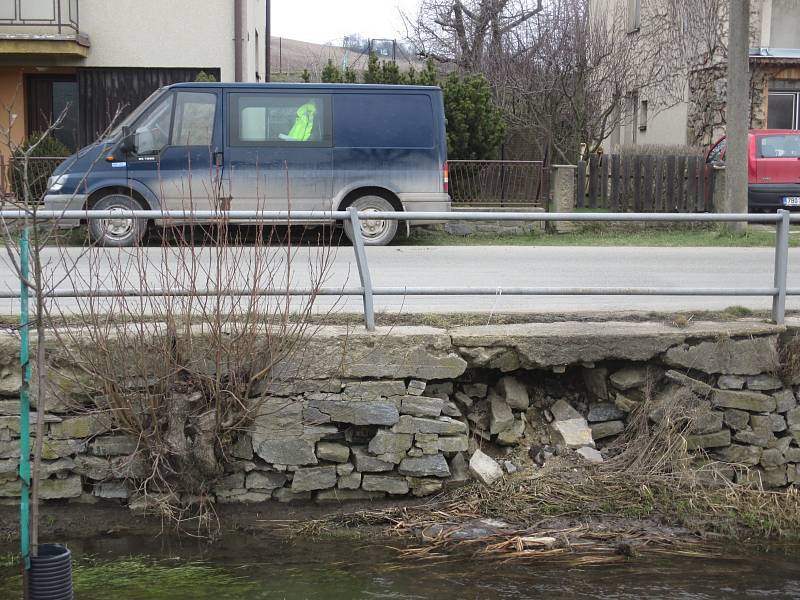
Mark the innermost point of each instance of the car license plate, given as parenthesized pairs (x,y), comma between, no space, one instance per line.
(791,201)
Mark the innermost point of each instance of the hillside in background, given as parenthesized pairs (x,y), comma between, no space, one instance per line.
(291,57)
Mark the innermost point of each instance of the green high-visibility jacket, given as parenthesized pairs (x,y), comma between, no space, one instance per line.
(304,124)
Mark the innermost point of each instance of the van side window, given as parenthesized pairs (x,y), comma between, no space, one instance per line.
(384,121)
(152,133)
(779,146)
(194,119)
(279,119)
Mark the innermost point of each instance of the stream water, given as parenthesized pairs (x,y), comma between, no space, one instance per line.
(241,567)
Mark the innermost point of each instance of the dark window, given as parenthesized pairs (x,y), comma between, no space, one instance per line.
(279,120)
(782,110)
(384,121)
(48,98)
(194,119)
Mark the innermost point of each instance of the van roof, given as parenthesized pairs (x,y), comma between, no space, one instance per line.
(306,86)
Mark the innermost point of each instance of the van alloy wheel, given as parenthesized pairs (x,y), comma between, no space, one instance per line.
(376,232)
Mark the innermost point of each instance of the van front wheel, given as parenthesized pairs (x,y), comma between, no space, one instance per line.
(376,232)
(117,232)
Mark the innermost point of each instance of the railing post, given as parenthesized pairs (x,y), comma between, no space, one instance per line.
(781,266)
(363,268)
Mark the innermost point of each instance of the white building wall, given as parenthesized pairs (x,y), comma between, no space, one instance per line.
(159,33)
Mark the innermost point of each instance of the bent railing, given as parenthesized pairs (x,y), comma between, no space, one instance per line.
(367,291)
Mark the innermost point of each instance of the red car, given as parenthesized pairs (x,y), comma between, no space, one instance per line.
(773,173)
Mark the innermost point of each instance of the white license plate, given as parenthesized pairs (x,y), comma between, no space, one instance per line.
(791,201)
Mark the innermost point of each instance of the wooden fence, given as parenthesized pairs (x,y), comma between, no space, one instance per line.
(645,184)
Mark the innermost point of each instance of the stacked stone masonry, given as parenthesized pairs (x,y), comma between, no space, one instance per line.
(409,412)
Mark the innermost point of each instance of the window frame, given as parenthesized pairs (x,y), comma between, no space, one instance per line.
(795,96)
(232,119)
(176,93)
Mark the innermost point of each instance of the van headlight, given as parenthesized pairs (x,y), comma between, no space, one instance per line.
(56,182)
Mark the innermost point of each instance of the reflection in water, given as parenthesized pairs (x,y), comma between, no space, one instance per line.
(244,568)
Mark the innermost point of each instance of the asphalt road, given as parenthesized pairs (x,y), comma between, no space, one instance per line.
(485,266)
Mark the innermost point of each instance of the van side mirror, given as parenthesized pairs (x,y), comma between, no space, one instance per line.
(128,143)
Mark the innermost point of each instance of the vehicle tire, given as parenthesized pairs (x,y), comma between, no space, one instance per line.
(376,232)
(117,233)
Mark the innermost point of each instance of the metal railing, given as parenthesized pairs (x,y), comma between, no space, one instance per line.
(64,14)
(367,291)
(497,183)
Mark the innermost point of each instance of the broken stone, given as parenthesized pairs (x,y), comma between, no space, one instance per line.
(510,467)
(719,439)
(514,392)
(756,437)
(49,489)
(730,382)
(345,469)
(333,452)
(590,454)
(349,482)
(752,401)
(793,418)
(258,480)
(80,427)
(421,406)
(416,387)
(458,443)
(358,413)
(465,400)
(459,470)
(706,422)
(772,458)
(366,463)
(572,433)
(392,457)
(373,390)
(767,478)
(422,486)
(728,356)
(390,484)
(764,382)
(785,400)
(500,415)
(512,435)
(243,448)
(386,442)
(112,490)
(93,467)
(781,444)
(287,451)
(434,466)
(792,455)
(624,403)
(13,424)
(441,390)
(596,382)
(563,411)
(606,429)
(604,411)
(484,468)
(441,426)
(771,422)
(116,445)
(314,478)
(738,454)
(631,377)
(450,409)
(736,419)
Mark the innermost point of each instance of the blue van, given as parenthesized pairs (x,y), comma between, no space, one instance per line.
(263,147)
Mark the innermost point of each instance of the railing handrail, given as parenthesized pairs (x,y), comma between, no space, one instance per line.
(61,18)
(779,291)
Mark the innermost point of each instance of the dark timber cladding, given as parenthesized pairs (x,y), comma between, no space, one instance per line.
(102,91)
(640,183)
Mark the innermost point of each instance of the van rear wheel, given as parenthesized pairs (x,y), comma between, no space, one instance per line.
(376,232)
(117,232)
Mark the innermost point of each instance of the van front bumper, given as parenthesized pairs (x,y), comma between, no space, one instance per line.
(62,202)
(426,203)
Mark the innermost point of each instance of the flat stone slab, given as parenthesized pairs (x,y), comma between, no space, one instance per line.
(537,345)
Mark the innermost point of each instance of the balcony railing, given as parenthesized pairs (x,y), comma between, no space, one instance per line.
(63,16)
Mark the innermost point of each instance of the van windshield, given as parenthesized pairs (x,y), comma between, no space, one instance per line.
(137,112)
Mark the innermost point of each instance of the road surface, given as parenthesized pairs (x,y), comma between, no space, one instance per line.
(485,266)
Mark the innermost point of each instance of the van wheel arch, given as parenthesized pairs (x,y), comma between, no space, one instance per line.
(98,195)
(371,191)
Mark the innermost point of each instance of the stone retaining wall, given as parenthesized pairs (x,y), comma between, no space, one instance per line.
(407,411)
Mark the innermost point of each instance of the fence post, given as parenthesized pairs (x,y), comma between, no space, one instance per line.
(781,266)
(718,188)
(562,195)
(363,268)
